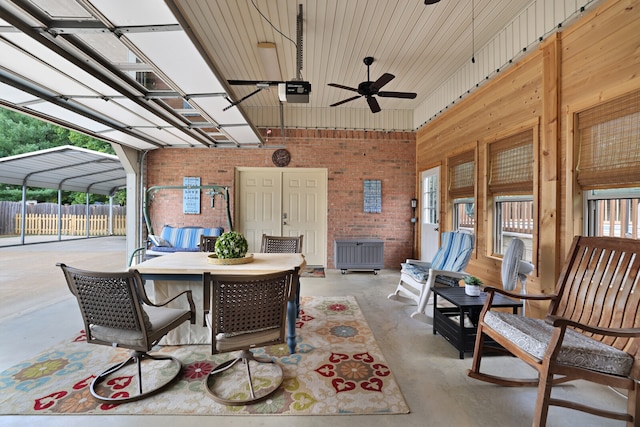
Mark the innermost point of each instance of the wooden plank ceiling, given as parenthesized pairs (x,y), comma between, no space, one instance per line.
(422,45)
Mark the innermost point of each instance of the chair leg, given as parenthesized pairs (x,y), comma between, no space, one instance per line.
(255,395)
(394,296)
(478,348)
(425,294)
(136,357)
(249,379)
(633,406)
(544,396)
(400,292)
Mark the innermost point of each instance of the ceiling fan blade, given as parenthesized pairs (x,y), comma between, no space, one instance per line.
(345,100)
(342,87)
(253,82)
(383,80)
(373,104)
(407,95)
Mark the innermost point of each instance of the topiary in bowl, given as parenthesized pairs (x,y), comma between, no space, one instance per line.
(231,245)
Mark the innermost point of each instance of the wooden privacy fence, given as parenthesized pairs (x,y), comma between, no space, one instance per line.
(71,225)
(42,219)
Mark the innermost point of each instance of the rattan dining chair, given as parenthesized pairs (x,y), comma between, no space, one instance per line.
(284,245)
(117,313)
(281,244)
(246,312)
(208,243)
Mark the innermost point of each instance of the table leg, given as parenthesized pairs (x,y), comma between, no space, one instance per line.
(292,314)
(435,307)
(461,338)
(298,298)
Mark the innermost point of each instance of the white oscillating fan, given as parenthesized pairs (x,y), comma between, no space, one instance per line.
(514,268)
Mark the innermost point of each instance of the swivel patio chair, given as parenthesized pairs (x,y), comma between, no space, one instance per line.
(446,269)
(246,311)
(117,313)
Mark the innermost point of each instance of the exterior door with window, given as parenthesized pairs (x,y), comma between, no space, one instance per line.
(430,221)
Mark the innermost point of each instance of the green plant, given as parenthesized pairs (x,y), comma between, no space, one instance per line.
(231,245)
(472,281)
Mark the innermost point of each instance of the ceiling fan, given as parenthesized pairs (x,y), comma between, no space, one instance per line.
(368,89)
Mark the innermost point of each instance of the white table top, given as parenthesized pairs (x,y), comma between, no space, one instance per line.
(197,263)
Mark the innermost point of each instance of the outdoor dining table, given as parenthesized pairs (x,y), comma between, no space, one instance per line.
(176,272)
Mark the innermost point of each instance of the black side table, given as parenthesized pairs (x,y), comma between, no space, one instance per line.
(450,321)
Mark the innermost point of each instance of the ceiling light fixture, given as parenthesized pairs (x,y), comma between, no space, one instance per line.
(269,58)
(431,1)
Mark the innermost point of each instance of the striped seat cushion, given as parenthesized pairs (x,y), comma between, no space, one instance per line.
(453,255)
(187,237)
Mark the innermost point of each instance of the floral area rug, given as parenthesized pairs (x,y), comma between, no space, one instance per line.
(338,369)
(312,271)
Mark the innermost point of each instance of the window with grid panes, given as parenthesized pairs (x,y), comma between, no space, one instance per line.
(511,187)
(462,190)
(608,166)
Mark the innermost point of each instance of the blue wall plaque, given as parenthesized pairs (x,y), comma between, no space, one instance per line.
(372,196)
(191,196)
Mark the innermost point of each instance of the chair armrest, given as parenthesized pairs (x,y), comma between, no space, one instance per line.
(421,264)
(431,280)
(448,273)
(557,321)
(136,253)
(538,297)
(490,290)
(560,327)
(192,306)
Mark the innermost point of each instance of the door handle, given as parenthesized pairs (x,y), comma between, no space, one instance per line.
(436,229)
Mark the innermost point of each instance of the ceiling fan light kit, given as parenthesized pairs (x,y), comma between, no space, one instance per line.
(369,89)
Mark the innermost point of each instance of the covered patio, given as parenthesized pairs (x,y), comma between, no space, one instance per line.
(39,312)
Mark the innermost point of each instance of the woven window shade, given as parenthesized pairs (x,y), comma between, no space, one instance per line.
(609,144)
(461,175)
(511,168)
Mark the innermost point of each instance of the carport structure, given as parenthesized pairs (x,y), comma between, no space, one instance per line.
(65,168)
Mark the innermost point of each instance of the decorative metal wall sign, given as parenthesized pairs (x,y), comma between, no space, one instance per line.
(191,197)
(372,196)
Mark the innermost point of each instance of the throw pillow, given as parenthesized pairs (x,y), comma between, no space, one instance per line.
(159,241)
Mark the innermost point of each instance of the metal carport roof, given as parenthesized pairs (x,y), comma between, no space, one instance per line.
(65,168)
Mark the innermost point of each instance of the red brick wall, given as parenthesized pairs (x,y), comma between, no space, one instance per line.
(349,156)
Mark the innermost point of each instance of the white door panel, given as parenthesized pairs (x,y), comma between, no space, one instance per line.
(260,201)
(304,211)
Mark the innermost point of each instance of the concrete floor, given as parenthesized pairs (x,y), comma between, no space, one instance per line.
(37,312)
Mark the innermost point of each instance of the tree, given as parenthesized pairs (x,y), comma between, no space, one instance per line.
(21,134)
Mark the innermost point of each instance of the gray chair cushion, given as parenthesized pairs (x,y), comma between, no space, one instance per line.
(533,335)
(159,318)
(227,342)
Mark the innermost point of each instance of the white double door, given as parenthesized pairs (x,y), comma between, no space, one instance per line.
(283,202)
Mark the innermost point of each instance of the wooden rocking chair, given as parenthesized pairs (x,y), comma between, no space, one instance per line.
(591,331)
